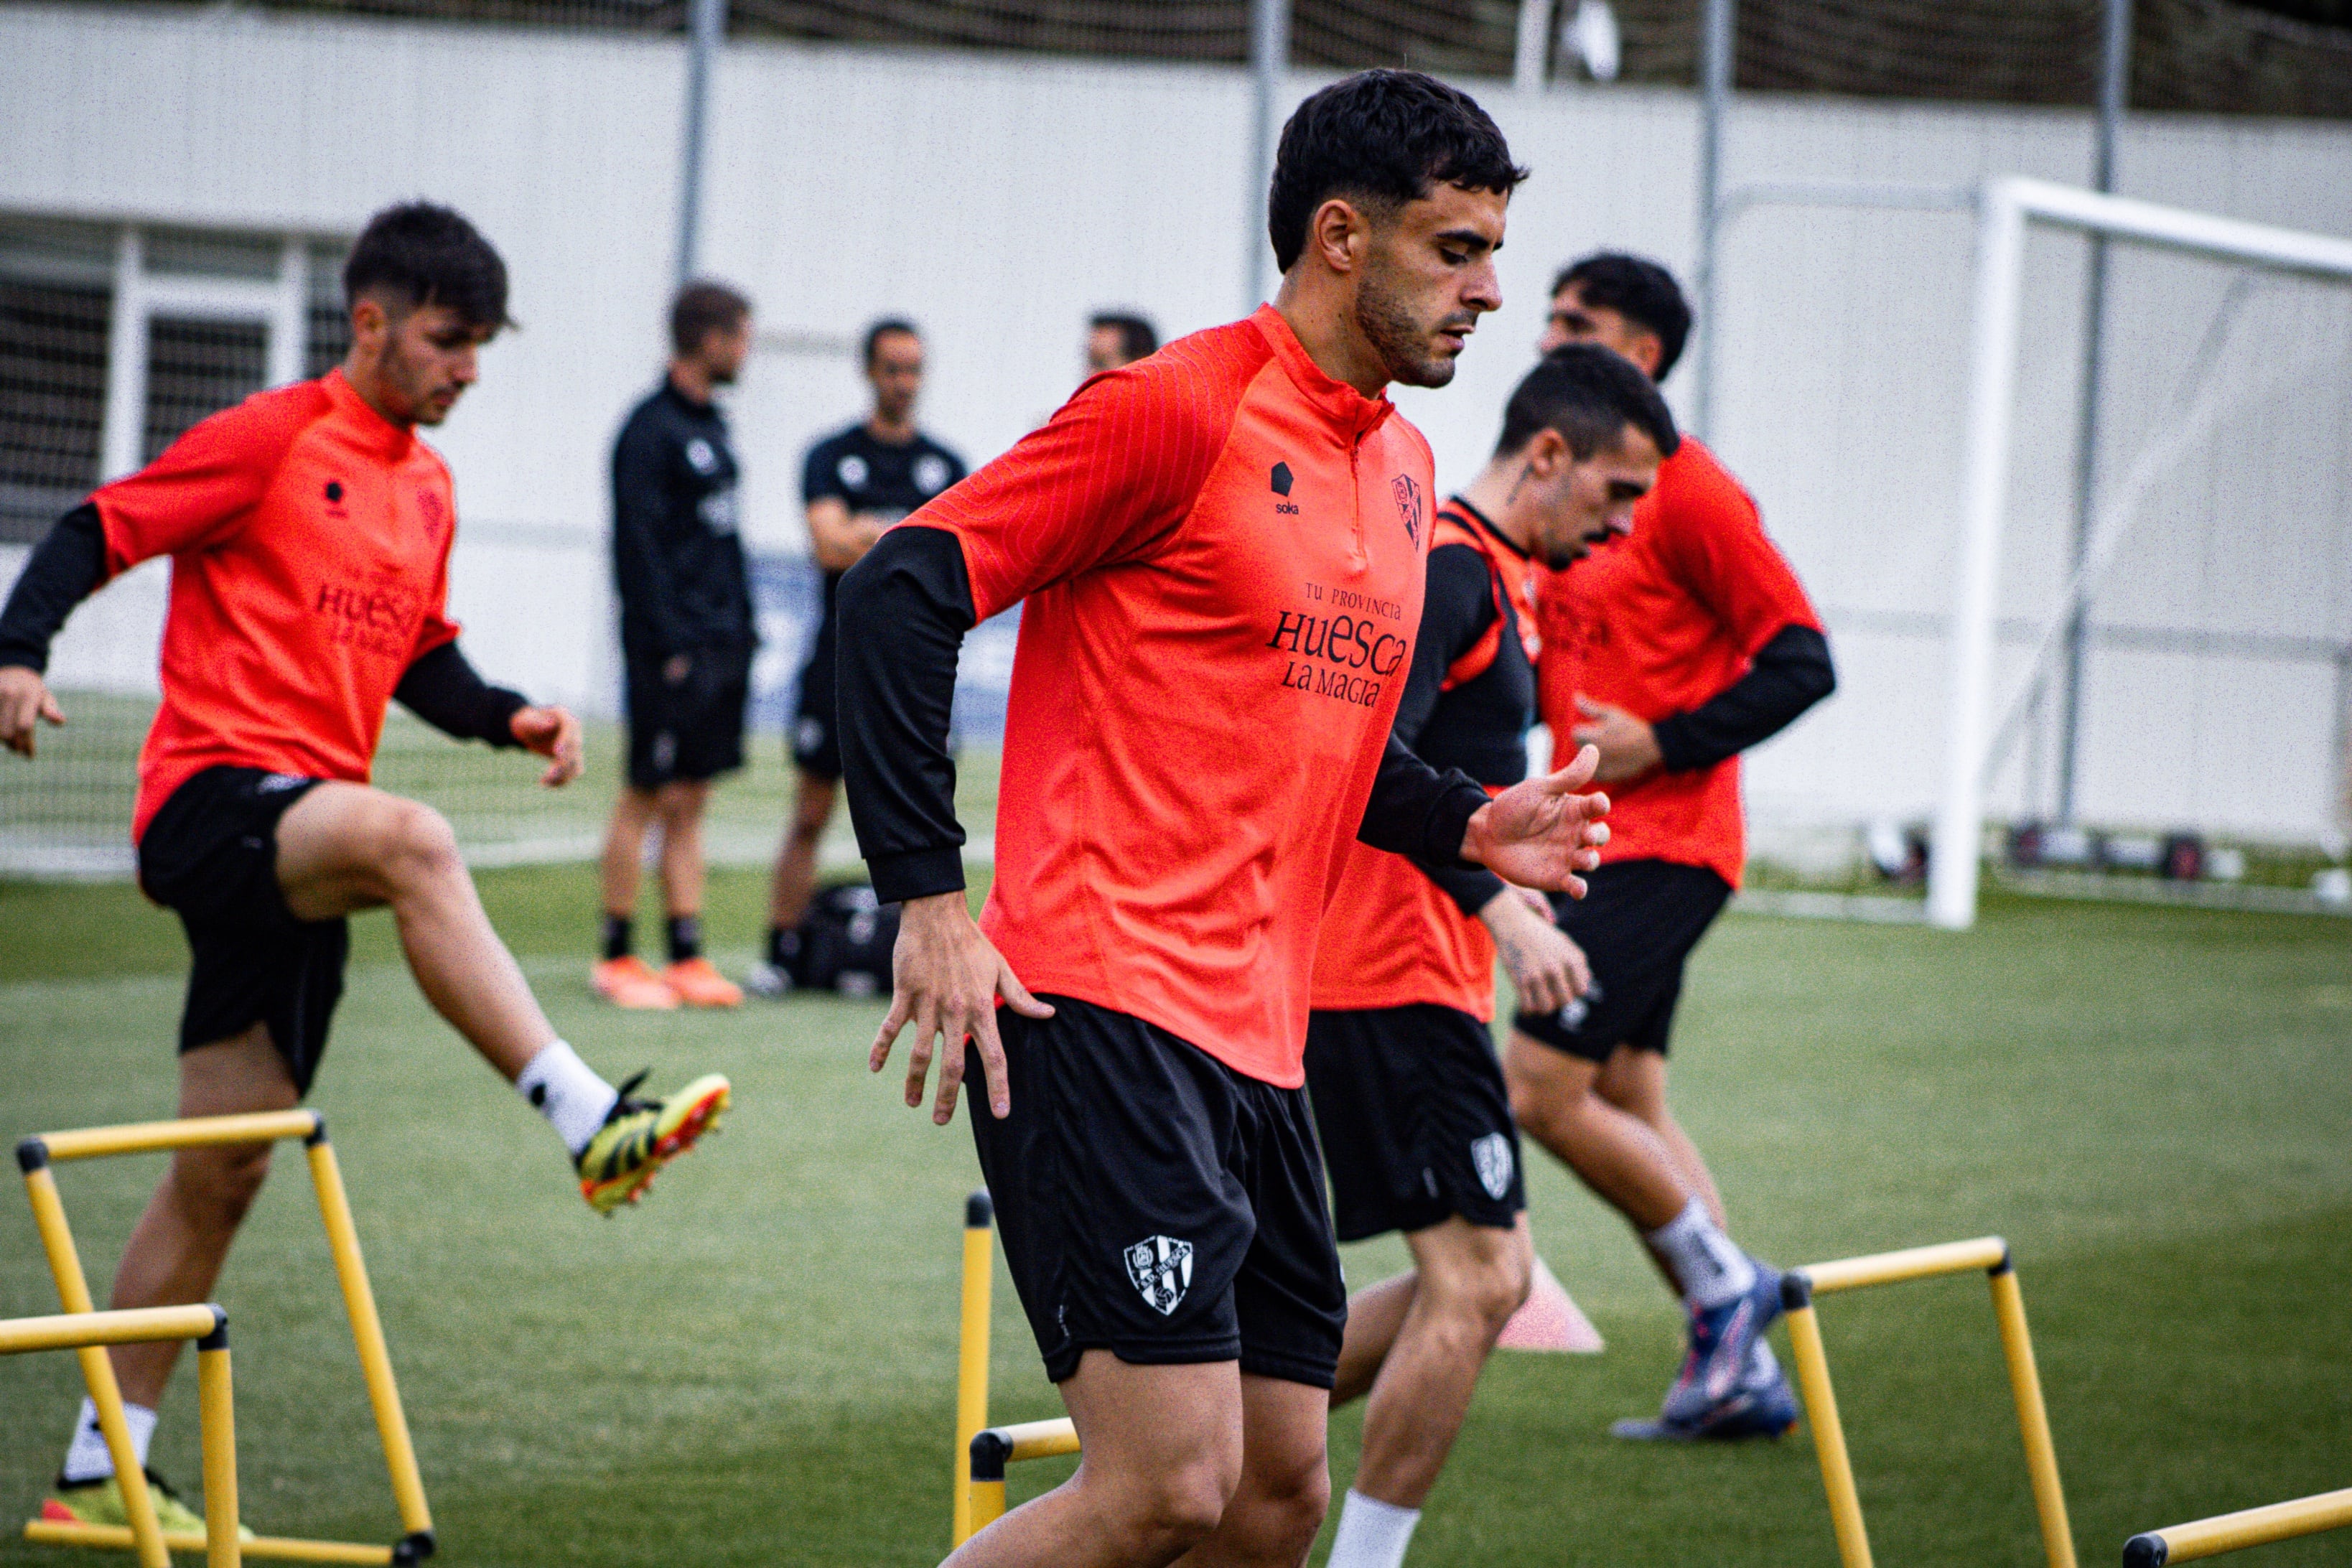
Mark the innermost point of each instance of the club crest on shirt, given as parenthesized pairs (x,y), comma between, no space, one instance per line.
(1160,1268)
(1408,499)
(1491,1156)
(930,473)
(852,470)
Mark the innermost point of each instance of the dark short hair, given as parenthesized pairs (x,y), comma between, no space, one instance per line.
(428,255)
(1136,336)
(702,308)
(1386,138)
(1637,288)
(879,330)
(1590,394)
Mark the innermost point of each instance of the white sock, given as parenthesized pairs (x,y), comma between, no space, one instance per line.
(1372,1534)
(1710,1268)
(87,1458)
(567,1093)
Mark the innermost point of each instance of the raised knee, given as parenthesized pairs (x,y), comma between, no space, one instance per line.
(418,844)
(1293,1501)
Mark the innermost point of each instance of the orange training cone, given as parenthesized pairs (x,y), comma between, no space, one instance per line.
(1549,1320)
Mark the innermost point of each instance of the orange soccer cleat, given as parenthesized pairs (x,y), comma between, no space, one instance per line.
(630,982)
(698,984)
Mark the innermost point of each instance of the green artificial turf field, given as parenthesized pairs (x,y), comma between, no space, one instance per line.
(2154,1105)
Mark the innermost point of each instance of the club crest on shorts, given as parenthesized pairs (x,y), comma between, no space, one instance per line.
(1408,499)
(1491,1156)
(1161,1268)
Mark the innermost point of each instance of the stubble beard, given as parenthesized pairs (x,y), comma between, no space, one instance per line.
(1388,325)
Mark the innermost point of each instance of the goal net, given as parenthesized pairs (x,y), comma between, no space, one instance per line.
(2217,562)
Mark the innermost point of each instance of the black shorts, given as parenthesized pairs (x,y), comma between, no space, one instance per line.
(817,721)
(1155,1202)
(691,731)
(210,856)
(1415,1122)
(1637,923)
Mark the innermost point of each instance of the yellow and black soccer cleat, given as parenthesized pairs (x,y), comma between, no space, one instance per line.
(640,1136)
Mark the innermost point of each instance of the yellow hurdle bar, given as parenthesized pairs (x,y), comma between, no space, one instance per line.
(971,1349)
(2237,1532)
(199,1133)
(1001,1446)
(983,1451)
(137,1326)
(1989,1253)
(215,1405)
(1912,1263)
(34,1157)
(284,1548)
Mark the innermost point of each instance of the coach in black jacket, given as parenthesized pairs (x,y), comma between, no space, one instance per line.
(686,637)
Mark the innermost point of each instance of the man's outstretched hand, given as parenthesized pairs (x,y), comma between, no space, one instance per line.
(947,978)
(554,734)
(1541,833)
(25,701)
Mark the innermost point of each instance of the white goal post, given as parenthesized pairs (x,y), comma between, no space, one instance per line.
(2004,207)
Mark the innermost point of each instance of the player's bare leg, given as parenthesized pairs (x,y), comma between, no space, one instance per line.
(343,847)
(1285,1482)
(795,883)
(624,849)
(1162,1458)
(181,1239)
(1416,1344)
(1620,1157)
(1636,1083)
(1730,1385)
(681,806)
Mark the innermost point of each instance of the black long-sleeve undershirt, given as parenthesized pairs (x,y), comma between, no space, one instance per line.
(1789,674)
(442,688)
(65,568)
(904,611)
(70,565)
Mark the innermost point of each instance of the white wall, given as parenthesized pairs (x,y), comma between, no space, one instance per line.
(997,200)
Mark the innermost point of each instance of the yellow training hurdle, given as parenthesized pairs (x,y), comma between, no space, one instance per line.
(89,1332)
(2237,1532)
(35,1154)
(983,1451)
(1798,1289)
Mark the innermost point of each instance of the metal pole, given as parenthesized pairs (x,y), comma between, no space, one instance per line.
(1715,48)
(1984,487)
(709,26)
(2114,74)
(1269,60)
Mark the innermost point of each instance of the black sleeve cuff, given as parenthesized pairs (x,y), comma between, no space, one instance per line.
(1678,750)
(64,569)
(916,874)
(1449,819)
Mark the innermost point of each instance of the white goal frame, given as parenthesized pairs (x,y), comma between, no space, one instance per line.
(2004,206)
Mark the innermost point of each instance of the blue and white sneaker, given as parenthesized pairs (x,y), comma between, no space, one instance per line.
(1722,1341)
(1763,1405)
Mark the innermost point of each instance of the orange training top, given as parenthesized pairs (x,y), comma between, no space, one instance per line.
(1221,548)
(309,544)
(1657,624)
(1392,937)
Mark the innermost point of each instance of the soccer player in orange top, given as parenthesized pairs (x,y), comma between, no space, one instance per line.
(1672,650)
(1221,549)
(1409,1099)
(309,531)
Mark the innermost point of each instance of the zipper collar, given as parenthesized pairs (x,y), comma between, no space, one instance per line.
(1348,412)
